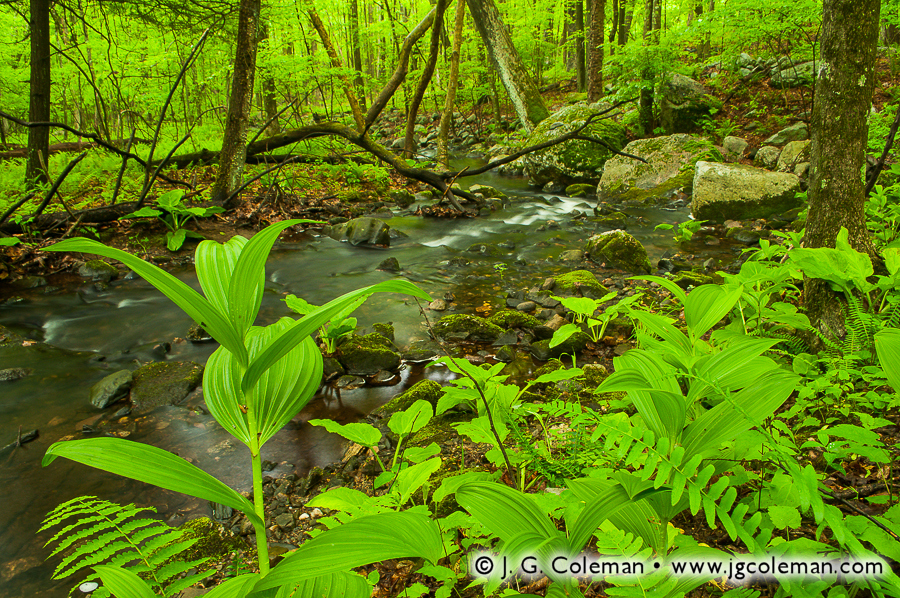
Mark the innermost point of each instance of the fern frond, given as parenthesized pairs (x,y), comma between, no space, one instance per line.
(104,532)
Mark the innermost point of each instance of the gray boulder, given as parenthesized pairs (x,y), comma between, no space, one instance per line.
(767,156)
(737,192)
(735,146)
(684,104)
(794,153)
(111,389)
(618,249)
(669,166)
(575,161)
(794,76)
(164,383)
(360,231)
(98,270)
(795,132)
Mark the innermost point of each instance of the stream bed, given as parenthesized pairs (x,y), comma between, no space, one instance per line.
(82,334)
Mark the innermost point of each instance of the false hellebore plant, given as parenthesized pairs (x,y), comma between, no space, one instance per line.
(253,384)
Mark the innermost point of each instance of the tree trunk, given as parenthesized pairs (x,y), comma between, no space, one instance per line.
(336,63)
(626,16)
(615,26)
(269,99)
(234,140)
(443,157)
(580,59)
(844,86)
(595,50)
(39,104)
(410,145)
(357,54)
(523,93)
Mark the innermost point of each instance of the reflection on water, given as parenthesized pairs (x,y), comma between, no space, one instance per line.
(95,333)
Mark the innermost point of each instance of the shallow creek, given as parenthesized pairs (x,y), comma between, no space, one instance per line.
(83,335)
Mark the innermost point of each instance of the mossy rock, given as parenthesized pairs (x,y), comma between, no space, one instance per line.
(636,196)
(213,541)
(594,374)
(367,355)
(164,383)
(618,249)
(402,197)
(613,221)
(486,249)
(466,327)
(488,192)
(578,283)
(98,270)
(574,161)
(542,350)
(549,367)
(686,278)
(580,190)
(440,429)
(508,319)
(384,329)
(426,390)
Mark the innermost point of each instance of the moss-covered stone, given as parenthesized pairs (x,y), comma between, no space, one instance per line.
(488,192)
(614,220)
(213,541)
(425,390)
(98,270)
(164,383)
(577,283)
(580,190)
(685,103)
(618,249)
(575,343)
(485,249)
(686,278)
(440,429)
(466,327)
(384,329)
(367,355)
(508,318)
(575,161)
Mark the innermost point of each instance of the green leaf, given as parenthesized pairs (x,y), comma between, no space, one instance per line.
(563,334)
(340,499)
(124,583)
(412,478)
(413,419)
(417,454)
(306,326)
(784,517)
(8,241)
(236,587)
(557,375)
(215,266)
(362,541)
(843,265)
(503,511)
(174,240)
(149,464)
(358,432)
(341,584)
(194,305)
(667,284)
(451,484)
(145,212)
(245,289)
(887,346)
(706,305)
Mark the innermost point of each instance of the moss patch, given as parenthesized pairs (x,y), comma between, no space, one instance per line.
(464,326)
(578,282)
(514,319)
(426,390)
(213,541)
(618,249)
(366,355)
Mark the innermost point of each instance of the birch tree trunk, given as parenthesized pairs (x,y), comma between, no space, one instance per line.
(234,140)
(844,86)
(523,93)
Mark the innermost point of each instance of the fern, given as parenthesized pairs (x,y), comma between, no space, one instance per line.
(105,532)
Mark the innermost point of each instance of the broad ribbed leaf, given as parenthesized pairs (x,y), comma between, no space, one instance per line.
(666,284)
(636,519)
(412,478)
(603,506)
(215,264)
(706,305)
(738,413)
(663,328)
(504,511)
(203,312)
(282,391)
(887,346)
(360,542)
(343,584)
(310,323)
(412,419)
(358,432)
(236,587)
(245,289)
(149,464)
(123,583)
(734,367)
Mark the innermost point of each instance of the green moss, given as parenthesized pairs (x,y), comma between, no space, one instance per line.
(618,249)
(440,429)
(468,327)
(213,541)
(614,220)
(578,281)
(385,330)
(549,367)
(580,190)
(426,390)
(514,319)
(684,279)
(366,355)
(636,196)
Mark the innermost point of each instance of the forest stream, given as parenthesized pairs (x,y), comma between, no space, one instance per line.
(83,334)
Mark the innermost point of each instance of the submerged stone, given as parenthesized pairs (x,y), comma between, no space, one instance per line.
(164,383)
(111,389)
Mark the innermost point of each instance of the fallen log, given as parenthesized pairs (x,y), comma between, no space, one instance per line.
(66,146)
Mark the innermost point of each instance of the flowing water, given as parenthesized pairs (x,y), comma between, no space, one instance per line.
(82,334)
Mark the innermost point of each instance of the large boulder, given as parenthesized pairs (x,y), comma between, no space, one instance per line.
(111,389)
(737,192)
(466,327)
(575,161)
(794,76)
(426,390)
(685,103)
(164,383)
(795,132)
(618,249)
(361,231)
(669,166)
(578,283)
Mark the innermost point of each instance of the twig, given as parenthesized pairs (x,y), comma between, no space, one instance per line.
(269,122)
(57,183)
(115,193)
(149,184)
(259,176)
(487,409)
(16,206)
(73,227)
